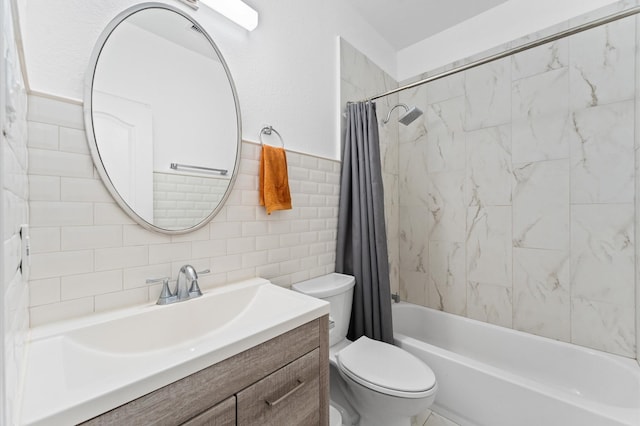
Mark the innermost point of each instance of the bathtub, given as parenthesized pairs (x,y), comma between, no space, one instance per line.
(495,376)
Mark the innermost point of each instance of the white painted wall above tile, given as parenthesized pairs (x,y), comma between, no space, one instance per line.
(285,71)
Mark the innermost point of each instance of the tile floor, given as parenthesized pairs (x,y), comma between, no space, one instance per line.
(429,418)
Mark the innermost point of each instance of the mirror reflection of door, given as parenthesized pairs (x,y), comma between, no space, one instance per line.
(127,126)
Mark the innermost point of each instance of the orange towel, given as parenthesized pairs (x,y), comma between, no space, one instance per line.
(274,179)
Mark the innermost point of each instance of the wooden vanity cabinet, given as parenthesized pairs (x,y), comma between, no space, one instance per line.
(222,414)
(283,381)
(290,396)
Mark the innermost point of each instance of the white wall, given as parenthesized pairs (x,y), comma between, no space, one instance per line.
(14,293)
(509,21)
(286,71)
(3,400)
(3,391)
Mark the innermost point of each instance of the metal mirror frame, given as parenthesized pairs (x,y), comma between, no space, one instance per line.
(88,118)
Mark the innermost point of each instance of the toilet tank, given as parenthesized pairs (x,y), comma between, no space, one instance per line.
(337,289)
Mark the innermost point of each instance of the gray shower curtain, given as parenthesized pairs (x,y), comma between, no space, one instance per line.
(362,239)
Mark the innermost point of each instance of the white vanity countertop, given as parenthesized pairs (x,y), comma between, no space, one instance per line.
(79,369)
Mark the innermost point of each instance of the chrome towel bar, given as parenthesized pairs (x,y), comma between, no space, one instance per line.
(175,166)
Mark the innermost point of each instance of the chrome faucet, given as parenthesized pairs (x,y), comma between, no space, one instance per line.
(186,286)
(187,283)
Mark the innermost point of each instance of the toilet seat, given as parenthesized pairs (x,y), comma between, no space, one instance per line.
(386,369)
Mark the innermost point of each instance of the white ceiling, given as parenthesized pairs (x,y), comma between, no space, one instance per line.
(405,22)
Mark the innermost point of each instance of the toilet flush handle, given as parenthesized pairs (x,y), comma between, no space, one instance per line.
(332,323)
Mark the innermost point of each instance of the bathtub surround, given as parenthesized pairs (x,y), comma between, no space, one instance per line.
(14,293)
(361,248)
(88,256)
(516,187)
(519,196)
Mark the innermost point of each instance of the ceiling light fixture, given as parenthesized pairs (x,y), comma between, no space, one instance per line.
(235,10)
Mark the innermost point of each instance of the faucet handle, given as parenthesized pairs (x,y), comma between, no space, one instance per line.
(157,280)
(194,290)
(166,296)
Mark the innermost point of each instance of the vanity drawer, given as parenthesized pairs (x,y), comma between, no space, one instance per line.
(223,414)
(288,396)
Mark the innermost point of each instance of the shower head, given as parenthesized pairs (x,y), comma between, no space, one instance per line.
(408,117)
(411,114)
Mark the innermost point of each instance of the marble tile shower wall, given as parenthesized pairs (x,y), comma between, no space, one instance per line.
(359,79)
(88,256)
(15,213)
(517,191)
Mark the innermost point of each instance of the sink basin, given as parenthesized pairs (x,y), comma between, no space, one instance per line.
(81,368)
(166,327)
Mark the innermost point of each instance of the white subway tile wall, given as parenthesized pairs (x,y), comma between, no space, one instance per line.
(89,256)
(15,191)
(181,200)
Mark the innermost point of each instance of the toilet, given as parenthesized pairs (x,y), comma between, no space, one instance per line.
(335,418)
(377,383)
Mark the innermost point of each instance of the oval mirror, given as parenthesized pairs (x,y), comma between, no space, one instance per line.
(162,118)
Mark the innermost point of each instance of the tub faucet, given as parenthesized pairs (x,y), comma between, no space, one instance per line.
(186,286)
(396,297)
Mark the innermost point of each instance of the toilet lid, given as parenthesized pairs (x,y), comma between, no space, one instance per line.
(386,368)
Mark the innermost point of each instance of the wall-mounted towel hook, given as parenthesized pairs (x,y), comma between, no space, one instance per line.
(268,130)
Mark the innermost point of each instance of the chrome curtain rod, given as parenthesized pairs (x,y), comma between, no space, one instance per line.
(553,37)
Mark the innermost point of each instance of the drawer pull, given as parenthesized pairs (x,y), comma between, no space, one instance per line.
(286,395)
